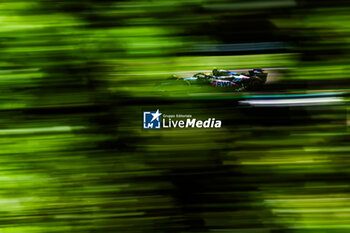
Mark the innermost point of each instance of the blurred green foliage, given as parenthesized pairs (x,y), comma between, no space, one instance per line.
(75,77)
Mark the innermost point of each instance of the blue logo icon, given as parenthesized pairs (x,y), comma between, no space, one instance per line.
(151,120)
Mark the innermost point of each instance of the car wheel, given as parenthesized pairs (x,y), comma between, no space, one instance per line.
(255,83)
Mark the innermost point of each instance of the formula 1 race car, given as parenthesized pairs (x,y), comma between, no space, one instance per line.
(253,80)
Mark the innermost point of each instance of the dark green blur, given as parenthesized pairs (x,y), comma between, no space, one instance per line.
(75,77)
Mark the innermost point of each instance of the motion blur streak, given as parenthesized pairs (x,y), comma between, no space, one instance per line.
(293,102)
(76,77)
